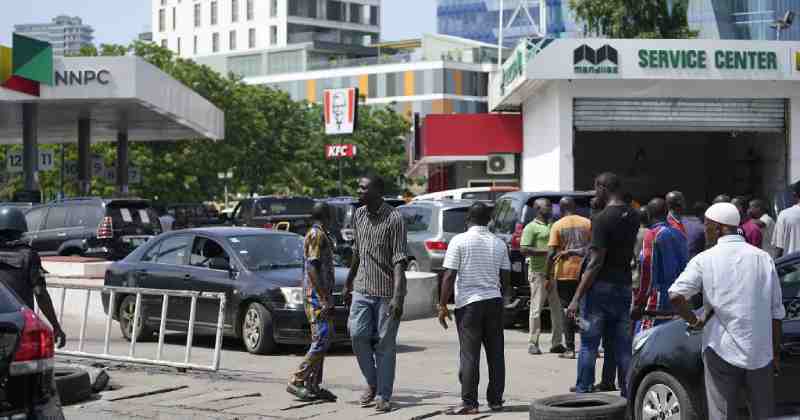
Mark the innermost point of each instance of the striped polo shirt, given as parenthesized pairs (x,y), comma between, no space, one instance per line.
(478,256)
(380,243)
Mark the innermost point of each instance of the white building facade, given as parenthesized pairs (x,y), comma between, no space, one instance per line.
(197,28)
(66,34)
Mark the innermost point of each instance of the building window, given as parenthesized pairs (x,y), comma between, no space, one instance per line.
(273,8)
(215,42)
(179,47)
(251,38)
(174,18)
(234,10)
(163,43)
(162,17)
(232,40)
(214,11)
(336,11)
(194,46)
(374,15)
(250,10)
(355,13)
(197,20)
(273,35)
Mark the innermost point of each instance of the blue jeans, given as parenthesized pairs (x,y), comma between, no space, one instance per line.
(374,336)
(606,307)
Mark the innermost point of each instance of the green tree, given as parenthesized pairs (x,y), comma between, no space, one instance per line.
(635,18)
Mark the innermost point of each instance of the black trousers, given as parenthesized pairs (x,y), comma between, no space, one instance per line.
(481,323)
(566,291)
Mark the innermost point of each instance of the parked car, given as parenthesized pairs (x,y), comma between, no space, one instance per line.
(667,362)
(475,193)
(285,213)
(513,211)
(108,228)
(26,362)
(431,225)
(260,271)
(191,215)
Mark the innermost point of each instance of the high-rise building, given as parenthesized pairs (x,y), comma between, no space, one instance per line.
(479,19)
(66,34)
(209,27)
(742,19)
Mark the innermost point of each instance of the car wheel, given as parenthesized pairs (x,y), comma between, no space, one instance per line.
(125,315)
(579,407)
(73,385)
(661,396)
(257,330)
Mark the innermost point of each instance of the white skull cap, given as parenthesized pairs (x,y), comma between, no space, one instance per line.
(724,213)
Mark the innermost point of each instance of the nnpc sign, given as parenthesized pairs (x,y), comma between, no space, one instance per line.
(82,77)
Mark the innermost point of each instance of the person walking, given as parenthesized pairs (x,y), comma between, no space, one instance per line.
(477,263)
(569,238)
(664,255)
(21,269)
(749,229)
(375,290)
(786,238)
(318,285)
(533,245)
(758,214)
(742,323)
(605,288)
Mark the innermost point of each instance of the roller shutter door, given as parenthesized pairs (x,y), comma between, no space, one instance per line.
(616,114)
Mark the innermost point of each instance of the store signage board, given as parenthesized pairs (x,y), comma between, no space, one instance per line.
(702,59)
(340,111)
(339,151)
(14,161)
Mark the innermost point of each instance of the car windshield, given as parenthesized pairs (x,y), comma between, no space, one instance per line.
(268,252)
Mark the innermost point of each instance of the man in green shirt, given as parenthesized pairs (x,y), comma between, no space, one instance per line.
(533,245)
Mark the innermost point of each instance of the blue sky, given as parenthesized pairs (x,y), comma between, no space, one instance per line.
(119,21)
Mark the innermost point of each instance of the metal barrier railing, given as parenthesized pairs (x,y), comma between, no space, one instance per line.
(113,292)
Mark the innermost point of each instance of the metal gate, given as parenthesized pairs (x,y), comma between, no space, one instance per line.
(679,114)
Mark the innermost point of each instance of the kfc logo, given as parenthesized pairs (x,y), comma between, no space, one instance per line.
(338,151)
(341,110)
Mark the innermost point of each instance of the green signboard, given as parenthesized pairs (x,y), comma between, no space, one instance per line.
(702,59)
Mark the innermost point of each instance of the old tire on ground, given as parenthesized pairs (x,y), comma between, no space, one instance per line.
(257,330)
(125,316)
(661,395)
(579,407)
(73,384)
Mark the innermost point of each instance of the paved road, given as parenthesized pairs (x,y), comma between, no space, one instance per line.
(251,386)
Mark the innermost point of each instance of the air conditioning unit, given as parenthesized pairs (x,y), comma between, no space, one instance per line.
(501,164)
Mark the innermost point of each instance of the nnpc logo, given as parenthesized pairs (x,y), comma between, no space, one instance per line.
(28,65)
(603,60)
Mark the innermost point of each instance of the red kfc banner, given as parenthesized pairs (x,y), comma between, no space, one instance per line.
(339,151)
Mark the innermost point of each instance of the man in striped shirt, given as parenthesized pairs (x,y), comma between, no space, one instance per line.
(376,288)
(475,262)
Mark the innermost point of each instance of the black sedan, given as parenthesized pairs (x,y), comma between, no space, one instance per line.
(26,362)
(666,374)
(260,271)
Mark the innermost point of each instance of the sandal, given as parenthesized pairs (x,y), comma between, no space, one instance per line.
(367,399)
(300,392)
(463,410)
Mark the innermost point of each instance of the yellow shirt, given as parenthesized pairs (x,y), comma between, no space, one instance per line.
(570,233)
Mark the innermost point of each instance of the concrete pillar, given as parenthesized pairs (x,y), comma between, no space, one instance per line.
(30,146)
(122,161)
(84,156)
(547,161)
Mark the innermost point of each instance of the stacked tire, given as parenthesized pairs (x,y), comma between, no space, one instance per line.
(579,407)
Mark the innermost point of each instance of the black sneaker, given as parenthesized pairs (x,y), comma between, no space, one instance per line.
(559,349)
(604,387)
(496,407)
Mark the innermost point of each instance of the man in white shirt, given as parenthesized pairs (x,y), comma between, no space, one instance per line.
(786,237)
(476,261)
(742,326)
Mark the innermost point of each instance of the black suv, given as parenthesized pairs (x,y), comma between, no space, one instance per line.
(292,214)
(192,215)
(512,212)
(108,228)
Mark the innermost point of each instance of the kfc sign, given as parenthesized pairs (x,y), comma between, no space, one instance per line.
(338,151)
(341,110)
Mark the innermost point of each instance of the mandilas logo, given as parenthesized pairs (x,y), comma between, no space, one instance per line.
(604,60)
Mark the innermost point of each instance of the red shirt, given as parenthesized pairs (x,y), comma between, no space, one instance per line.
(752,233)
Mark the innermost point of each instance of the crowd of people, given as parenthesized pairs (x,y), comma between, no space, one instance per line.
(624,270)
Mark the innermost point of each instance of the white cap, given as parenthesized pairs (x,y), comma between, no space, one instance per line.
(724,214)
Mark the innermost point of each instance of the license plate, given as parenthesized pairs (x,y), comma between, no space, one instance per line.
(516,267)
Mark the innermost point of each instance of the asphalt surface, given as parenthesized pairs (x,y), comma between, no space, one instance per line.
(250,386)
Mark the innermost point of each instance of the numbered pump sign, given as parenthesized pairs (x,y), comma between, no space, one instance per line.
(14,161)
(340,111)
(338,151)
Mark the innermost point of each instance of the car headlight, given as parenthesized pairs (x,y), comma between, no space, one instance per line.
(641,339)
(294,296)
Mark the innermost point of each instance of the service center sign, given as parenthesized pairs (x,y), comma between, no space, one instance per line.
(339,151)
(340,110)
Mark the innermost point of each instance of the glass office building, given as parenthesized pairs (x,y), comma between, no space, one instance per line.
(478,19)
(742,19)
